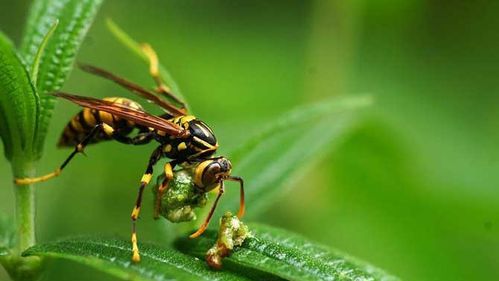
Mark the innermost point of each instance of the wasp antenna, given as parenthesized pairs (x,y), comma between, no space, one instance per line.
(95,70)
(63,95)
(85,66)
(59,94)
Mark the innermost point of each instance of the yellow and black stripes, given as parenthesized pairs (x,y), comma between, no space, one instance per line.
(181,137)
(201,173)
(81,124)
(146,178)
(201,141)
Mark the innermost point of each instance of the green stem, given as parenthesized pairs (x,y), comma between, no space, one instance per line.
(24,268)
(25,206)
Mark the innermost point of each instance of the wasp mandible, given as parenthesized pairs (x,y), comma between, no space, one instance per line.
(183,138)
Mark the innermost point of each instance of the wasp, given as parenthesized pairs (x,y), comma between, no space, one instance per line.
(183,138)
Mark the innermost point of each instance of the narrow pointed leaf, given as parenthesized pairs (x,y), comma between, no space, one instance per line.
(75,17)
(18,103)
(114,257)
(287,147)
(289,256)
(36,63)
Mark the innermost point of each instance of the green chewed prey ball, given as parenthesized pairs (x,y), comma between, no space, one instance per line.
(181,198)
(232,233)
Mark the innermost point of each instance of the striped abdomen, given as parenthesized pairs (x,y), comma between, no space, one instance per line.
(81,124)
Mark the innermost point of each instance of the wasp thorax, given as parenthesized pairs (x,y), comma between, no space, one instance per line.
(210,173)
(203,139)
(197,141)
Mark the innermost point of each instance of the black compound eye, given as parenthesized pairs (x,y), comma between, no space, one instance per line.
(225,164)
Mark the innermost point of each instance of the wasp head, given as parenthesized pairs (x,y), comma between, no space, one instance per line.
(210,173)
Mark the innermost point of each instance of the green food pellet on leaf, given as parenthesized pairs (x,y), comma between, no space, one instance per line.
(232,233)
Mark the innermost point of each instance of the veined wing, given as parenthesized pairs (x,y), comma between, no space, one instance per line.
(148,95)
(137,116)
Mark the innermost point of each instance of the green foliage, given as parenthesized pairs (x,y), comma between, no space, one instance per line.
(135,47)
(4,251)
(288,146)
(289,256)
(267,161)
(42,66)
(413,189)
(270,254)
(36,63)
(55,63)
(47,53)
(271,251)
(18,103)
(113,257)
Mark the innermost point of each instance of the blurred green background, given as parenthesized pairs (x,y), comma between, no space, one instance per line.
(414,189)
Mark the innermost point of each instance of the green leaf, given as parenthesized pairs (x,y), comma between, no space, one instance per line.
(288,146)
(126,40)
(4,251)
(36,63)
(289,256)
(18,104)
(75,17)
(114,257)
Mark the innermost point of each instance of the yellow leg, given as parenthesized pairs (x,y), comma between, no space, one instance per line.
(146,178)
(78,149)
(154,71)
(168,170)
(43,178)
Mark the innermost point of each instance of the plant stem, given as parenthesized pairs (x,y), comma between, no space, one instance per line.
(24,268)
(25,206)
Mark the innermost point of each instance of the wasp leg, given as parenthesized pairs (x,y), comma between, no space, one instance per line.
(203,227)
(78,148)
(154,71)
(146,178)
(139,139)
(240,213)
(168,170)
